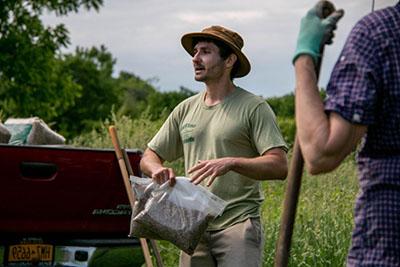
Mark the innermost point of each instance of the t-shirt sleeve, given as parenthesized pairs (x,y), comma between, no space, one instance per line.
(167,142)
(352,89)
(265,130)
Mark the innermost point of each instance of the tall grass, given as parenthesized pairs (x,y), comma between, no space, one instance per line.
(324,215)
(324,218)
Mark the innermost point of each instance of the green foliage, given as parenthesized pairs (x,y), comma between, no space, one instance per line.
(92,70)
(132,133)
(282,106)
(32,81)
(288,129)
(130,95)
(324,218)
(136,94)
(164,102)
(284,109)
(140,96)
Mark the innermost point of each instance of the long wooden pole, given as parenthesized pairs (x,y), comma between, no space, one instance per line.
(120,157)
(282,253)
(289,207)
(153,243)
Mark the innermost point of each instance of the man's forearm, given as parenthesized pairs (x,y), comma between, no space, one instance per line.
(271,165)
(325,140)
(268,167)
(148,165)
(311,121)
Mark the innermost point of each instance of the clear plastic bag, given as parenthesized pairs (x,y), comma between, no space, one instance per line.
(179,214)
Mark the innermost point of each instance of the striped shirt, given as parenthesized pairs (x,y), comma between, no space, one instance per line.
(365,89)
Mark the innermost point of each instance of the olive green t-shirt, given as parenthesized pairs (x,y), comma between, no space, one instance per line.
(242,125)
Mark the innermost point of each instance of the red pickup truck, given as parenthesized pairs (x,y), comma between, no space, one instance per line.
(55,197)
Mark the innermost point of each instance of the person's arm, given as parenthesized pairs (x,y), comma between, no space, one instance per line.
(151,165)
(271,165)
(325,140)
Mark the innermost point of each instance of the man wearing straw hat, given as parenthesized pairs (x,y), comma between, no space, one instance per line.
(230,142)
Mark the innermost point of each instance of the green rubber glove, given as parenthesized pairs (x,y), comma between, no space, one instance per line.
(315,32)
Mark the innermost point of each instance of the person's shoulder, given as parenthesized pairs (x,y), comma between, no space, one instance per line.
(248,97)
(188,102)
(379,21)
(249,103)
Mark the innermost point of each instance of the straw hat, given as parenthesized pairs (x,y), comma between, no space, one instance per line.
(230,38)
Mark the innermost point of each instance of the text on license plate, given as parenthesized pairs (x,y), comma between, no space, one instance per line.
(29,252)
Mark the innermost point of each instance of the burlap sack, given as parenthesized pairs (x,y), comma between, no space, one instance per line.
(5,134)
(32,131)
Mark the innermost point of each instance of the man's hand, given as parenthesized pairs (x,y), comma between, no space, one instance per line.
(164,174)
(210,168)
(316,31)
(152,165)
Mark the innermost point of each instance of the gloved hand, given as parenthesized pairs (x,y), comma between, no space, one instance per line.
(315,32)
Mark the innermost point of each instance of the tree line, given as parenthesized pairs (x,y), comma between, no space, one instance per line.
(73,92)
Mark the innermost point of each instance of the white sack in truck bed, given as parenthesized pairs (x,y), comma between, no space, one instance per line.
(5,134)
(179,214)
(32,131)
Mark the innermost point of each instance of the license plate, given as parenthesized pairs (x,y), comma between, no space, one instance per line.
(30,252)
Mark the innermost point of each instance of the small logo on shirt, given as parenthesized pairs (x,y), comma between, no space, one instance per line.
(187,129)
(188,125)
(190,139)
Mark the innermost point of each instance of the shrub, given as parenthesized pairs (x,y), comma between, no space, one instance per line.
(288,129)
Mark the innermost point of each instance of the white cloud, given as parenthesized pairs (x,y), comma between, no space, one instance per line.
(211,17)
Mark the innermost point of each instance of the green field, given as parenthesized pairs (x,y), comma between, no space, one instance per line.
(323,222)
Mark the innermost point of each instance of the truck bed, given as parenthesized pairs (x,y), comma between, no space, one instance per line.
(63,193)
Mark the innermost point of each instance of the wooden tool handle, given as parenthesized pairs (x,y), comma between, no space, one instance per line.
(125,176)
(325,8)
(114,139)
(122,165)
(292,192)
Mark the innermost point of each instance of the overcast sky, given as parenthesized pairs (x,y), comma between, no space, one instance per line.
(144,37)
